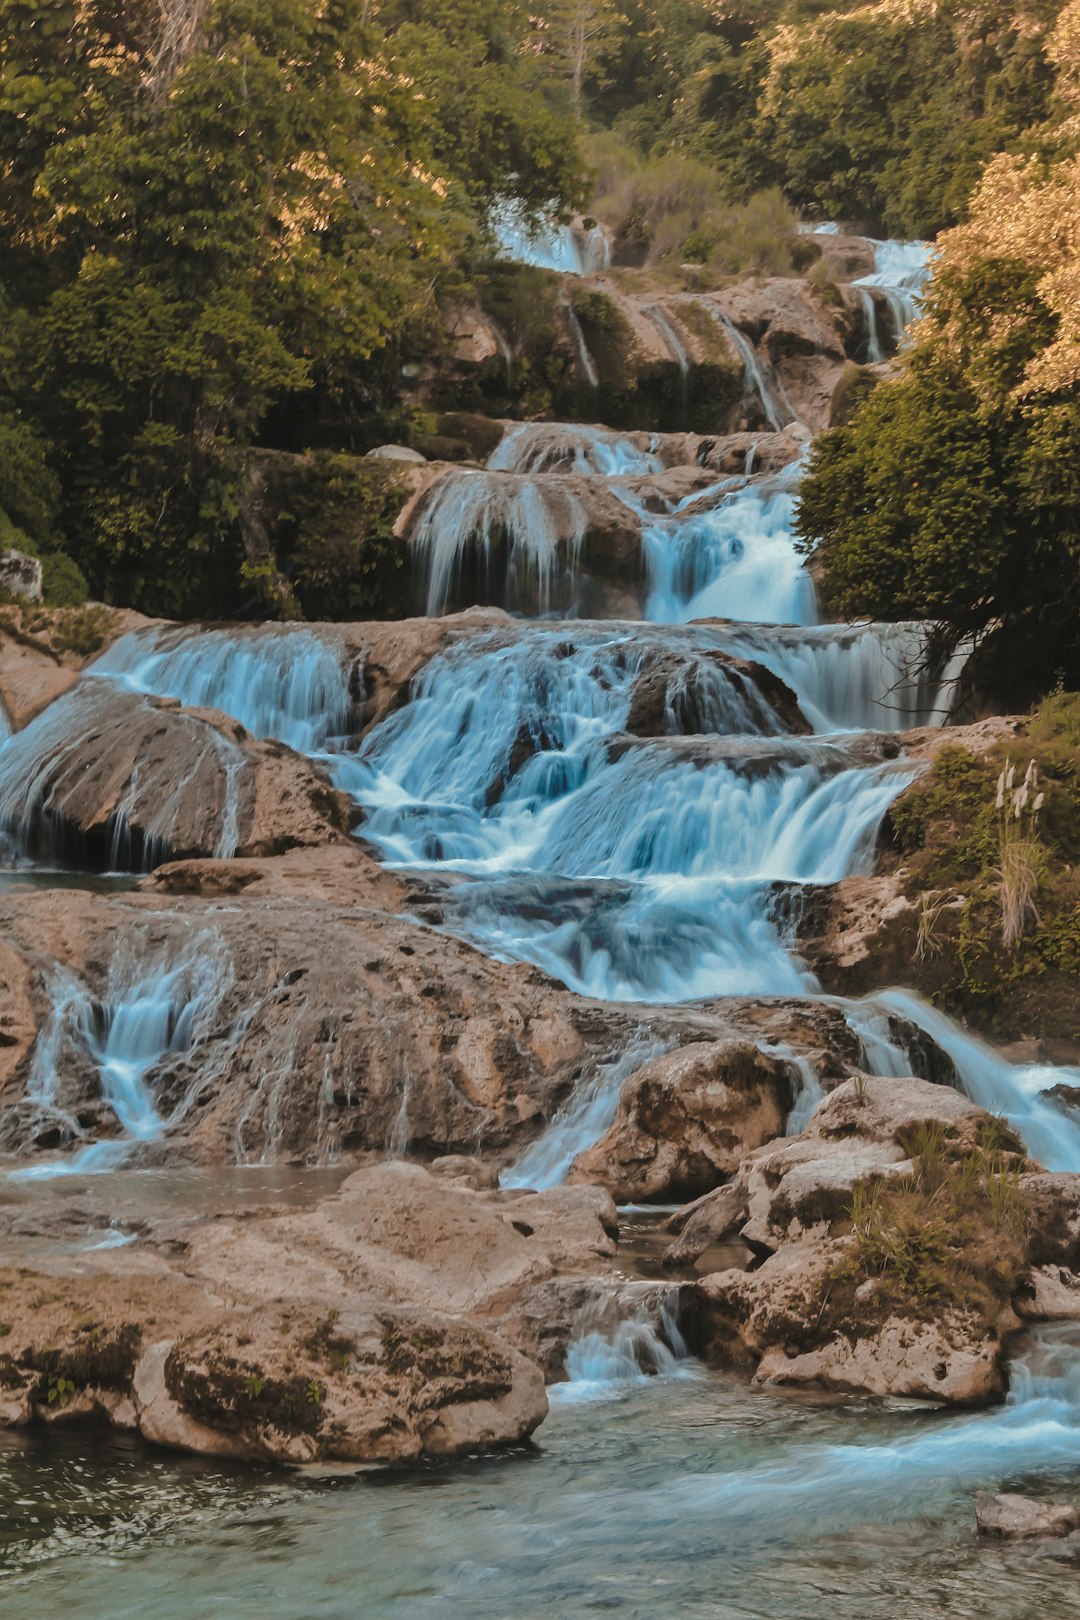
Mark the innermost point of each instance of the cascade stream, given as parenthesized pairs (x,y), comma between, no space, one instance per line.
(645,854)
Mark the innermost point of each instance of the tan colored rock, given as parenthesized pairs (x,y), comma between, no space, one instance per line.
(128,781)
(365,1328)
(706,1221)
(30,678)
(687,1119)
(18,1023)
(1054,1296)
(1022,1518)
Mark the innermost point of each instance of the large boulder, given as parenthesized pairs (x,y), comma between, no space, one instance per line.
(687,1119)
(20,575)
(361,1329)
(114,780)
(1022,1518)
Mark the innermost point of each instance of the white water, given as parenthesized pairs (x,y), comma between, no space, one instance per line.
(586,364)
(158,1003)
(584,1120)
(570,447)
(901,271)
(548,245)
(622,1339)
(1016,1091)
(759,381)
(286,684)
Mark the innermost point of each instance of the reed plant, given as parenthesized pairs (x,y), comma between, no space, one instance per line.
(1021,856)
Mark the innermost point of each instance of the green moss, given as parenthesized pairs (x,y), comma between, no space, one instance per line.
(224,1393)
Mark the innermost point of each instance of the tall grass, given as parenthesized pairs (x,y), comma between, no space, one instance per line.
(672,210)
(1021,856)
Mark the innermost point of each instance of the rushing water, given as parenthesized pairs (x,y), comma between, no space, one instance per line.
(625,806)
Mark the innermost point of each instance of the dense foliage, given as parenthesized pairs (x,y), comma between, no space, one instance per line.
(226,223)
(954,493)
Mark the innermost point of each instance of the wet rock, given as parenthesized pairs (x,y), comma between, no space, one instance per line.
(687,1119)
(110,779)
(368,1328)
(706,1221)
(676,694)
(1054,1202)
(1022,1518)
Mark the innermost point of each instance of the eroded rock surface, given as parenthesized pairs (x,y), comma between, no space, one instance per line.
(363,1329)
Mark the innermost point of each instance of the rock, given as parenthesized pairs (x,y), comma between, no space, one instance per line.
(1051,1294)
(1022,1518)
(30,678)
(677,692)
(857,1134)
(20,575)
(1054,1227)
(397,452)
(364,1329)
(114,779)
(706,1221)
(687,1119)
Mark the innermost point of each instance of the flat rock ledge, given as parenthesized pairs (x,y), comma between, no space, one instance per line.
(377,1327)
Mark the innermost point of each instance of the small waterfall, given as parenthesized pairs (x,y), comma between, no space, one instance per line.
(901,271)
(1016,1091)
(737,561)
(569,447)
(870,677)
(766,390)
(874,351)
(547,245)
(620,1341)
(583,1121)
(496,538)
(674,344)
(586,364)
(48,786)
(157,1004)
(286,684)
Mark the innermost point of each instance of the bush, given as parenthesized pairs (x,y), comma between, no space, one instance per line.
(63,583)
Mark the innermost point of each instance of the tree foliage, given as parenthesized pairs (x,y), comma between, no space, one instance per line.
(224,222)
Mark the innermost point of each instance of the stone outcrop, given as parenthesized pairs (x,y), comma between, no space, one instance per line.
(687,1119)
(810,1313)
(20,575)
(1023,1518)
(363,1329)
(673,693)
(115,780)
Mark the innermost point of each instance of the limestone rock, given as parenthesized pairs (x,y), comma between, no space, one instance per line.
(1052,1294)
(1022,1518)
(398,452)
(687,1119)
(118,780)
(366,1328)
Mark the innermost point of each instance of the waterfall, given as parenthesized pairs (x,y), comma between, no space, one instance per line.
(569,447)
(548,245)
(44,769)
(869,677)
(513,539)
(157,1004)
(584,1120)
(620,1340)
(901,271)
(286,684)
(874,351)
(586,364)
(777,409)
(737,561)
(1016,1091)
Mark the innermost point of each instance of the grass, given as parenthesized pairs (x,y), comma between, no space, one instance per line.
(952,1234)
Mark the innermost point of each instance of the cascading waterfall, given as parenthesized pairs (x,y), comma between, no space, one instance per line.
(510,538)
(569,447)
(286,684)
(620,1340)
(901,271)
(735,561)
(157,1004)
(583,1121)
(548,245)
(765,389)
